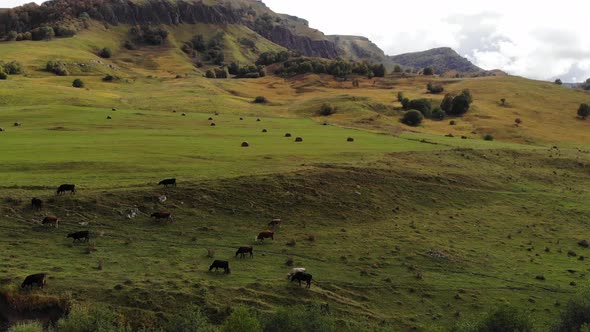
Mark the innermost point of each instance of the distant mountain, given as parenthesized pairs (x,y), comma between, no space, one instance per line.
(442,60)
(358,48)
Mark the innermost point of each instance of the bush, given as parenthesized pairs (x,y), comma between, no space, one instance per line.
(260,100)
(78,83)
(210,74)
(434,88)
(405,103)
(27,327)
(300,318)
(130,45)
(428,71)
(43,33)
(504,318)
(438,114)
(3,75)
(558,81)
(460,105)
(221,73)
(488,137)
(584,111)
(111,78)
(327,110)
(422,105)
(90,319)
(189,319)
(397,69)
(11,36)
(400,96)
(413,118)
(12,68)
(105,53)
(241,320)
(57,67)
(576,313)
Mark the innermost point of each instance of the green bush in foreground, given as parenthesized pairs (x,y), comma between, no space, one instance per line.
(504,318)
(241,320)
(27,327)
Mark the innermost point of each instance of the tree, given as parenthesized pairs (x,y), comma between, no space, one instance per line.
(467,95)
(413,118)
(3,75)
(460,105)
(558,81)
(379,70)
(434,88)
(422,105)
(397,69)
(428,71)
(105,53)
(234,68)
(327,110)
(438,114)
(447,103)
(260,100)
(584,111)
(78,83)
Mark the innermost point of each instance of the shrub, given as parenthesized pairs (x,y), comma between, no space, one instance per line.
(452,122)
(234,68)
(434,88)
(460,105)
(428,71)
(78,83)
(105,53)
(327,110)
(12,68)
(221,73)
(405,103)
(438,114)
(558,81)
(43,33)
(400,96)
(130,45)
(210,74)
(576,313)
(422,105)
(300,318)
(90,319)
(504,318)
(111,78)
(397,69)
(64,31)
(584,111)
(11,36)
(413,118)
(488,137)
(27,327)
(241,320)
(260,100)
(189,319)
(3,75)
(57,67)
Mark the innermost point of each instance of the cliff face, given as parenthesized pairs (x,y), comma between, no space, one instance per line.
(289,32)
(440,59)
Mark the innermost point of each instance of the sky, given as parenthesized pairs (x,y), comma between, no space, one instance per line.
(541,39)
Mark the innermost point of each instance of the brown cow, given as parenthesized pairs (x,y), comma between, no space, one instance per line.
(265,234)
(162,215)
(51,220)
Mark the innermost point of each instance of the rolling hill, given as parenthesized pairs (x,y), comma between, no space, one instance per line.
(403,228)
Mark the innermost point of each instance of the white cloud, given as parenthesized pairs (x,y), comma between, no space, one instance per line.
(541,40)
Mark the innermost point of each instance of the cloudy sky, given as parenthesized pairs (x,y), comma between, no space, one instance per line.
(541,39)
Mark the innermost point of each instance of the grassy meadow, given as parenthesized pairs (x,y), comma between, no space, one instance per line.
(403,226)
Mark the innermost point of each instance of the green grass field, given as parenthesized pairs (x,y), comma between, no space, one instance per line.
(403,226)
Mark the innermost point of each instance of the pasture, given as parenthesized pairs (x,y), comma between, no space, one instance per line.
(403,226)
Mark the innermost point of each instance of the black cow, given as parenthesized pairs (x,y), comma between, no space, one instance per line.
(167,182)
(66,187)
(36,203)
(302,276)
(38,279)
(242,251)
(220,264)
(79,236)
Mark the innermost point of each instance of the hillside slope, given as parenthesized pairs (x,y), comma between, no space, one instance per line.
(440,59)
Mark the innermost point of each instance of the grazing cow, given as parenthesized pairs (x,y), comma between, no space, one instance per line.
(275,222)
(242,251)
(109,117)
(162,215)
(294,271)
(265,234)
(36,203)
(302,276)
(220,264)
(17,124)
(66,187)
(51,220)
(1,129)
(38,279)
(78,236)
(168,182)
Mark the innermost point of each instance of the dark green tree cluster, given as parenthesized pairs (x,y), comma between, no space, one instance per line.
(457,105)
(211,51)
(57,67)
(428,71)
(413,118)
(337,68)
(147,34)
(248,71)
(269,58)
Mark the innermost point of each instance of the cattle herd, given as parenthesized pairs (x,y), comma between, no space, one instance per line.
(296,274)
